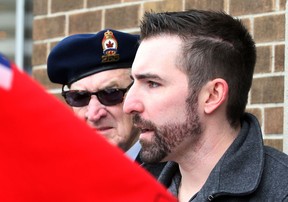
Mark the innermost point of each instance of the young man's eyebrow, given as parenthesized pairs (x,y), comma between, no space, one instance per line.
(146,76)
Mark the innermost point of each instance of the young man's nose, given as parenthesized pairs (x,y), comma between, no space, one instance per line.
(132,102)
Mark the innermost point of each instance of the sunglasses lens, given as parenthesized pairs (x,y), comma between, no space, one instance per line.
(77,98)
(111,97)
(108,97)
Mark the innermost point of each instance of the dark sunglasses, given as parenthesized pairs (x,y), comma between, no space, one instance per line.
(107,97)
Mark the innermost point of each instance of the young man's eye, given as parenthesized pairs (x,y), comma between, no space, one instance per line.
(153,84)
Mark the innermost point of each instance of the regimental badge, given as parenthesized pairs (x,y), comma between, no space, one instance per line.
(109,45)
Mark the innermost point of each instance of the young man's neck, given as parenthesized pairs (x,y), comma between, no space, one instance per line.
(196,164)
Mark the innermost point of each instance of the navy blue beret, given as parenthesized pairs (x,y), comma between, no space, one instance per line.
(81,55)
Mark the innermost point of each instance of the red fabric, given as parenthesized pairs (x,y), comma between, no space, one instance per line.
(47,154)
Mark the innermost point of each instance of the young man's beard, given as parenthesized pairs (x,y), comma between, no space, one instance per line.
(168,136)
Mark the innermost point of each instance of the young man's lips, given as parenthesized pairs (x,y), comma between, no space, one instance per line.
(144,130)
(141,128)
(146,134)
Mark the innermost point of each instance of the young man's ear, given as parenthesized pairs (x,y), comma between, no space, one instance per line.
(216,94)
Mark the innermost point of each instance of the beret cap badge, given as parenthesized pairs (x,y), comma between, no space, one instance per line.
(109,45)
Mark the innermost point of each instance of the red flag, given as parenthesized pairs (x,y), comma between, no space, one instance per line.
(48,154)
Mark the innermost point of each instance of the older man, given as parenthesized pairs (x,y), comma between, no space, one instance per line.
(94,70)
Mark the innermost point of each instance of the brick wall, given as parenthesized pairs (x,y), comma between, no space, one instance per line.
(265,19)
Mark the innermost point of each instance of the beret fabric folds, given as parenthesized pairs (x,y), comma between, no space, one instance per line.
(81,55)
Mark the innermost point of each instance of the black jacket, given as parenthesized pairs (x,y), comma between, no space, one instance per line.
(248,171)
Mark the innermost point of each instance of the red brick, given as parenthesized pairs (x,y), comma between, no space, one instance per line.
(168,5)
(121,18)
(205,4)
(264,59)
(40,7)
(273,120)
(269,28)
(95,3)
(39,54)
(64,5)
(282,4)
(267,90)
(279,58)
(47,28)
(130,0)
(245,7)
(85,22)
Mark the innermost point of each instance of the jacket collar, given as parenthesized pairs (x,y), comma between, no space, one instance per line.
(240,168)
